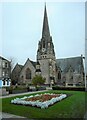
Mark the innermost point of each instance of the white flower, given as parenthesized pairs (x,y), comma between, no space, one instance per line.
(37,103)
(30,96)
(42,106)
(37,95)
(33,103)
(23,98)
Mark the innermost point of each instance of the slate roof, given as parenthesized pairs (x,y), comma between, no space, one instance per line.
(17,66)
(76,63)
(4,58)
(38,63)
(33,63)
(21,66)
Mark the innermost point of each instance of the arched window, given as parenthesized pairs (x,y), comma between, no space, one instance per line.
(7,82)
(59,75)
(28,73)
(43,43)
(3,82)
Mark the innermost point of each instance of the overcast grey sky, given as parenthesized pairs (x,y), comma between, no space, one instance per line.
(22,29)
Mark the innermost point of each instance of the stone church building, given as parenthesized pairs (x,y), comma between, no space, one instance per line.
(67,72)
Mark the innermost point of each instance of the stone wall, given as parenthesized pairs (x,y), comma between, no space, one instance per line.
(72,79)
(45,69)
(23,72)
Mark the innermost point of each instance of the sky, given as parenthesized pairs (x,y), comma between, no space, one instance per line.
(22,29)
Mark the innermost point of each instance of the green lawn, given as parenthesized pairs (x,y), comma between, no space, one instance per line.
(71,107)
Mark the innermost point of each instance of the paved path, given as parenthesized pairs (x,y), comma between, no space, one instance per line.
(7,115)
(85,116)
(12,95)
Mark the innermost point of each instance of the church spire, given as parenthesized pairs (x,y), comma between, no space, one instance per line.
(45,46)
(45,31)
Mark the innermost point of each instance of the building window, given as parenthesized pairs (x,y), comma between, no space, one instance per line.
(43,44)
(6,73)
(3,65)
(6,65)
(22,76)
(59,75)
(28,73)
(3,73)
(3,82)
(7,82)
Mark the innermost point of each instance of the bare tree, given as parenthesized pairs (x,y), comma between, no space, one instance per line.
(12,62)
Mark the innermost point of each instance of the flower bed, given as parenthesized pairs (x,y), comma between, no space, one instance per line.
(39,100)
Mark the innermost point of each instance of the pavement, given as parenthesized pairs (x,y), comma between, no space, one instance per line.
(10,116)
(85,116)
(7,115)
(13,95)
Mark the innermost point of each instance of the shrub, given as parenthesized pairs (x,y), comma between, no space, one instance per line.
(68,88)
(38,80)
(10,89)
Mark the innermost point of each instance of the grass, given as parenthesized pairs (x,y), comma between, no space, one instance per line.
(71,107)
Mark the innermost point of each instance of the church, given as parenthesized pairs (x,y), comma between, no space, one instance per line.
(67,72)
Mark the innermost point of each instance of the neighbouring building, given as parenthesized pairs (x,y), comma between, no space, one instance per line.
(16,73)
(27,72)
(68,71)
(5,72)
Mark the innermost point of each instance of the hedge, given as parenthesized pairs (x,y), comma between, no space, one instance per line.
(68,88)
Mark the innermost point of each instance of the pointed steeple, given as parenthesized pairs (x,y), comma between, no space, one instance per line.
(45,45)
(45,30)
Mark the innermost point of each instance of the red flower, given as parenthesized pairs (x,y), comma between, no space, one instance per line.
(42,98)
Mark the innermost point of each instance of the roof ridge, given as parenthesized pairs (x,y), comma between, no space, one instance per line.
(68,58)
(4,58)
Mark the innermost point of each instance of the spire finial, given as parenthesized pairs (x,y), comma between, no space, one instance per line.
(45,4)
(45,31)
